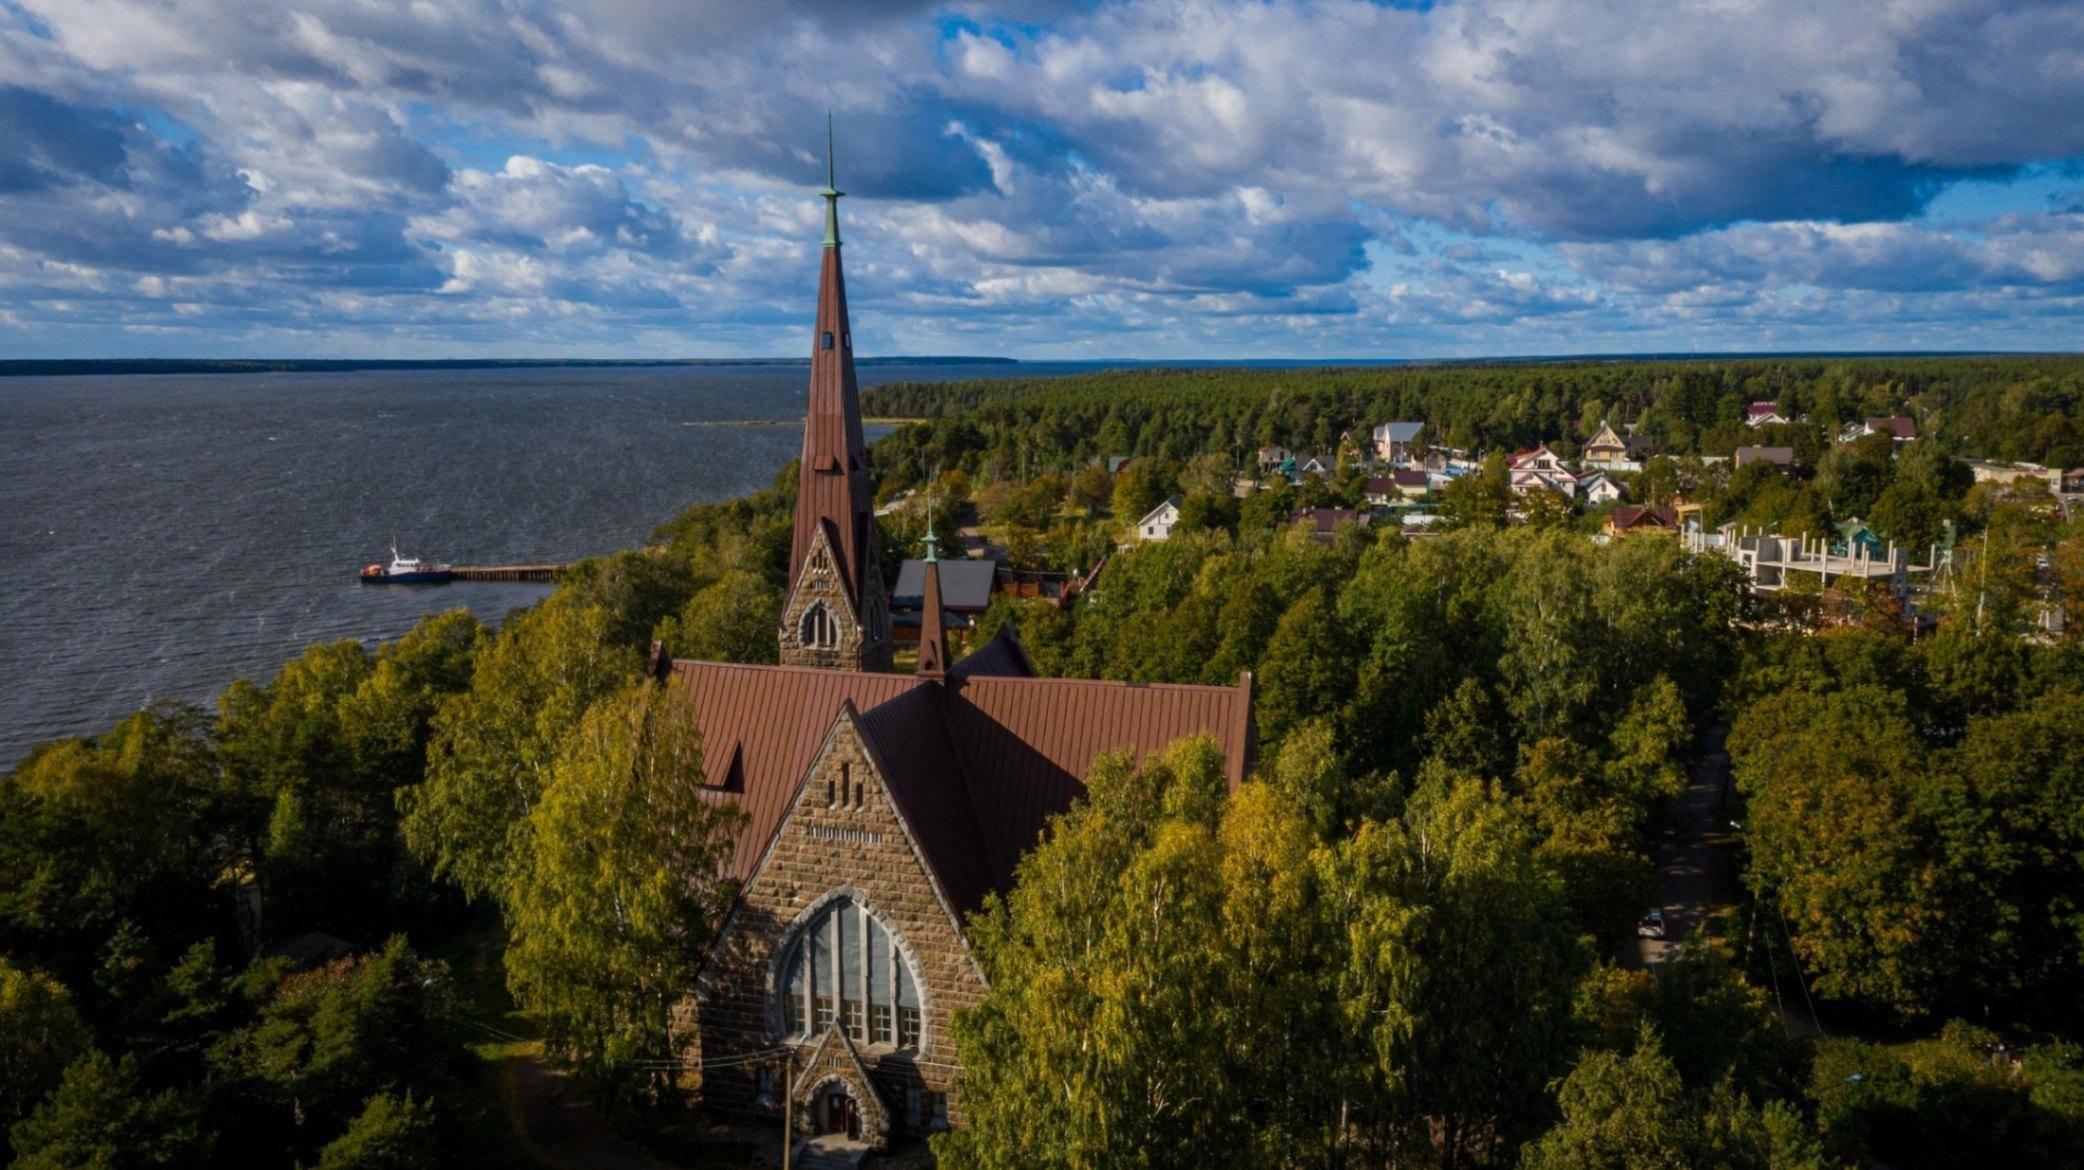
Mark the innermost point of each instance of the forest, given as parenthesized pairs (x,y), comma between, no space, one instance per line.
(1395,945)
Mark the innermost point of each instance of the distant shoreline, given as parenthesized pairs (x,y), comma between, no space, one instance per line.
(61,367)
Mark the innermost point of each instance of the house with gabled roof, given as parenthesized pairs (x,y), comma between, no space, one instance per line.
(878,809)
(1764,414)
(1396,443)
(1158,523)
(1608,451)
(1632,519)
(1597,488)
(1540,469)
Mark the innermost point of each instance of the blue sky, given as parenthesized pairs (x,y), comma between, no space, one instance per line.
(1047,178)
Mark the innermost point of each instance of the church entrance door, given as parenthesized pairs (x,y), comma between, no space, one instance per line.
(840,1114)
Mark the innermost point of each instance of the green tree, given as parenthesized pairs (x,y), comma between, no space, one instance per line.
(391,1133)
(732,619)
(1458,974)
(100,1118)
(40,1035)
(1307,671)
(616,893)
(494,744)
(1147,979)
(1837,845)
(1631,1112)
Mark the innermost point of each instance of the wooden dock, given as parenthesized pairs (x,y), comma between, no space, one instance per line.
(507,572)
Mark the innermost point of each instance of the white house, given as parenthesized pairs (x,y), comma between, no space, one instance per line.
(1598,489)
(1396,442)
(1902,430)
(1539,469)
(1157,523)
(1763,414)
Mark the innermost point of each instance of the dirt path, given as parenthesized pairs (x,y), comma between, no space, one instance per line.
(1696,861)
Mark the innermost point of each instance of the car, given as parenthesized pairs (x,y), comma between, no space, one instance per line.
(1651,926)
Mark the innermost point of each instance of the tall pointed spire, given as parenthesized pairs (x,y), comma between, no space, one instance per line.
(831,191)
(834,498)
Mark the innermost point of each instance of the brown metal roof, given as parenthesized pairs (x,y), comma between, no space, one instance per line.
(773,718)
(976,766)
(1027,743)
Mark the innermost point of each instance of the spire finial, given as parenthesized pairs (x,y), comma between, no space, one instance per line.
(831,191)
(932,542)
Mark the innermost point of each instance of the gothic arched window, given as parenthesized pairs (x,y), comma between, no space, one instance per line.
(844,966)
(817,629)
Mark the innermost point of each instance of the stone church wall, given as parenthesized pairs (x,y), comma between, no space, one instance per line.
(821,852)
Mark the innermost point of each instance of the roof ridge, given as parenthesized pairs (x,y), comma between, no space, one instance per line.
(790,668)
(1101,682)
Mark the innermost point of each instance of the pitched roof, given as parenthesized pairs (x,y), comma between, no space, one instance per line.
(1897,426)
(965,584)
(1780,456)
(1761,409)
(977,765)
(1631,516)
(1399,432)
(1172,502)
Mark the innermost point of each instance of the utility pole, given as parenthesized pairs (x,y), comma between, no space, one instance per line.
(788,1108)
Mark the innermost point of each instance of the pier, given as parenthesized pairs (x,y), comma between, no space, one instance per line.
(544,573)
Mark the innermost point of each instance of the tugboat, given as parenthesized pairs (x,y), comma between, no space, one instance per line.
(407,571)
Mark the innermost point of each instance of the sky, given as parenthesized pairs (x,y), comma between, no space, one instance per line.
(1041,179)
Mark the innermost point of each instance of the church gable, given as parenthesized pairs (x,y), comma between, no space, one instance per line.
(820,624)
(843,842)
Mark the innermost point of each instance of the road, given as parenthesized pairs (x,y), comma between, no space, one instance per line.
(1696,861)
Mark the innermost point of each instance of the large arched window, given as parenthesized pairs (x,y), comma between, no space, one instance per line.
(843,966)
(817,629)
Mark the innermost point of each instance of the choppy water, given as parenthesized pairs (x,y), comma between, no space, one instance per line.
(161,536)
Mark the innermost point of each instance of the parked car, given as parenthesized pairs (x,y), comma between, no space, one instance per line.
(1651,926)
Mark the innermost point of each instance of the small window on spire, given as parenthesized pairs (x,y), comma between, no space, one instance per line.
(828,339)
(846,340)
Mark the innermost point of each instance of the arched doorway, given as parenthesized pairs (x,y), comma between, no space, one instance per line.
(838,1114)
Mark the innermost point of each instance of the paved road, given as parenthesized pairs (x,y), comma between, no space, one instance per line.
(1696,860)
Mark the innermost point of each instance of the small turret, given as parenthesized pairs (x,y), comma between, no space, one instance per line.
(933,637)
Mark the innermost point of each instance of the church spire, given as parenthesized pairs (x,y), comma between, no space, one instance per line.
(831,191)
(835,570)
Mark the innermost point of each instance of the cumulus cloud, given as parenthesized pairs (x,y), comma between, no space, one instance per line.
(1160,176)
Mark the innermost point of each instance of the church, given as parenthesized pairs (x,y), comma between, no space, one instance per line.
(880,809)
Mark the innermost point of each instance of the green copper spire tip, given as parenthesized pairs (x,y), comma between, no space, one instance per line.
(831,191)
(933,543)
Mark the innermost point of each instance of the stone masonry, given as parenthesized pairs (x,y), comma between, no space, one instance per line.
(858,847)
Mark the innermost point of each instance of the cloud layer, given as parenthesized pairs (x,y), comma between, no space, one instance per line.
(1155,177)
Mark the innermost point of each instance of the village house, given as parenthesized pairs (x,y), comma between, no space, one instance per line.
(1321,466)
(1396,443)
(1157,524)
(1902,430)
(1986,471)
(1633,519)
(1324,522)
(1272,456)
(1538,469)
(1764,414)
(1608,451)
(1404,483)
(1780,457)
(1598,489)
(880,810)
(966,590)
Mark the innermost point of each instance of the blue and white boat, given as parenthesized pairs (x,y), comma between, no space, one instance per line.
(406,571)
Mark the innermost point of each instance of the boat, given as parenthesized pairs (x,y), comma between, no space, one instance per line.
(406,571)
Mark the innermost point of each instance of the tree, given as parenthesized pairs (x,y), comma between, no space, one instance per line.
(1147,979)
(40,1035)
(1307,671)
(330,1039)
(1631,1112)
(1477,501)
(494,744)
(100,1118)
(1837,845)
(732,619)
(1458,973)
(616,893)
(391,1133)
